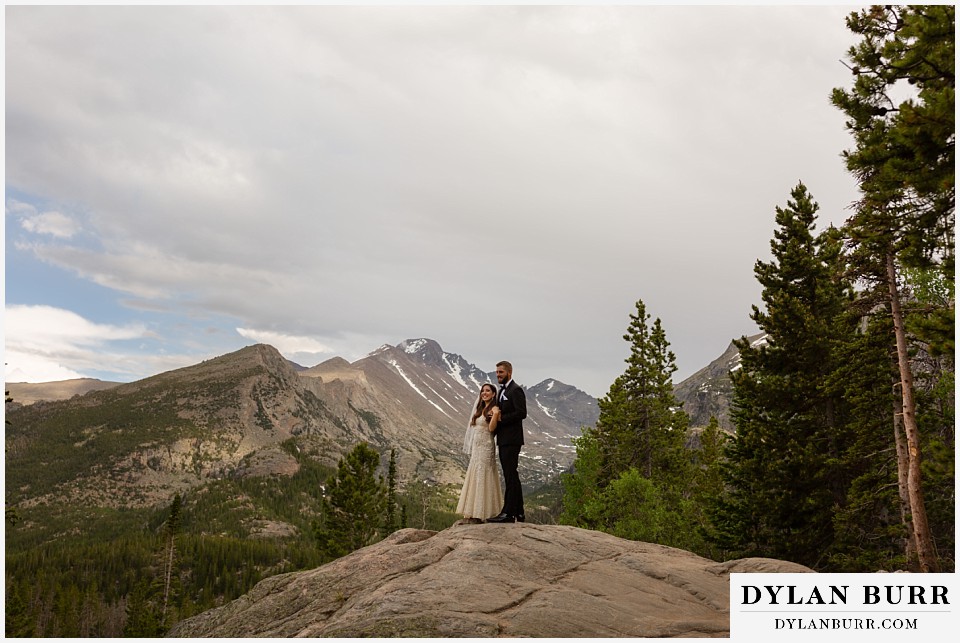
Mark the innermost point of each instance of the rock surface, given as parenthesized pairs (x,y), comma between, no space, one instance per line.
(492,580)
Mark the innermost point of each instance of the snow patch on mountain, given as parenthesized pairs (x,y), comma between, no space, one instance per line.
(383,348)
(394,364)
(477,383)
(414,346)
(735,364)
(455,370)
(452,407)
(550,413)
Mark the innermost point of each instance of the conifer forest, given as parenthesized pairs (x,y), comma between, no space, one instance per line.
(842,457)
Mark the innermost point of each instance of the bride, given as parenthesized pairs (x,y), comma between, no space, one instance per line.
(481,495)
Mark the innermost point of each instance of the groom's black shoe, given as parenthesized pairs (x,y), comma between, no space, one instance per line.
(501,518)
(521,518)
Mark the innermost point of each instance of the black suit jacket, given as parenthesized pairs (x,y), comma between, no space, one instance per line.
(513,409)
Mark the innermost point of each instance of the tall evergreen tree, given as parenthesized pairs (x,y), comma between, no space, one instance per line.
(707,485)
(171,531)
(354,504)
(904,160)
(640,425)
(869,526)
(392,519)
(631,476)
(782,471)
(904,157)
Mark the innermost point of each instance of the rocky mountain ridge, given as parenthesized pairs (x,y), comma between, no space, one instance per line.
(137,444)
(435,391)
(709,391)
(134,445)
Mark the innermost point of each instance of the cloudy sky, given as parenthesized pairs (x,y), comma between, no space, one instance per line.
(509,181)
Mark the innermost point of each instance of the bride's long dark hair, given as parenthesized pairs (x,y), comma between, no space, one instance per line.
(482,407)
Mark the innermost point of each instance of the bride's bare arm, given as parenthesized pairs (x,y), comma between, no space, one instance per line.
(494,418)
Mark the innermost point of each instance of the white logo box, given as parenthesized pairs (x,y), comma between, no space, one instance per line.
(843,607)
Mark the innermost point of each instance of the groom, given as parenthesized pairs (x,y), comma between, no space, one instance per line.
(512,402)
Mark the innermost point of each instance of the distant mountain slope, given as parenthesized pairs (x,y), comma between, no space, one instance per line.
(136,444)
(709,391)
(425,394)
(28,393)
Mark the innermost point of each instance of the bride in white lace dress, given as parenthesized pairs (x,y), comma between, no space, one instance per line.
(481,496)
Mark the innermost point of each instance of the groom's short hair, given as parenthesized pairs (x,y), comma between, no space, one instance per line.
(506,365)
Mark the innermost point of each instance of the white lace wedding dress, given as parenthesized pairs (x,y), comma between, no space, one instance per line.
(482,495)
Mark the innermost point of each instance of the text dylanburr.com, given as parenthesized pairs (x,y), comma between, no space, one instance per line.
(843,607)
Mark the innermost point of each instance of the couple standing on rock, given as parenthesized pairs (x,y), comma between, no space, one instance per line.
(495,413)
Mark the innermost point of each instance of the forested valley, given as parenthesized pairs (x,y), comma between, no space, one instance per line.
(136,572)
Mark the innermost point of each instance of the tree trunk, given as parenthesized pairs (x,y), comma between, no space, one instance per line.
(168,575)
(921,528)
(903,465)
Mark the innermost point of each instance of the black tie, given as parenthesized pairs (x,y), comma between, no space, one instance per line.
(503,387)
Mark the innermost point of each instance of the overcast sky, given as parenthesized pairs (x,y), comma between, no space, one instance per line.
(509,181)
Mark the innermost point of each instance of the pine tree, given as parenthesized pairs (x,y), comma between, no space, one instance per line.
(142,619)
(707,484)
(67,617)
(392,519)
(869,526)
(708,480)
(171,530)
(354,505)
(904,162)
(631,474)
(904,157)
(581,485)
(92,613)
(932,361)
(781,466)
(19,622)
(639,425)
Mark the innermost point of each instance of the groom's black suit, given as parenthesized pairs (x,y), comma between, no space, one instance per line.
(513,409)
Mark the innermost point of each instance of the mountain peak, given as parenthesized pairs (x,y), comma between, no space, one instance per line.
(427,349)
(383,348)
(552,386)
(256,354)
(412,346)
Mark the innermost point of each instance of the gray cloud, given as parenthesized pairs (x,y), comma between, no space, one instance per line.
(506,180)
